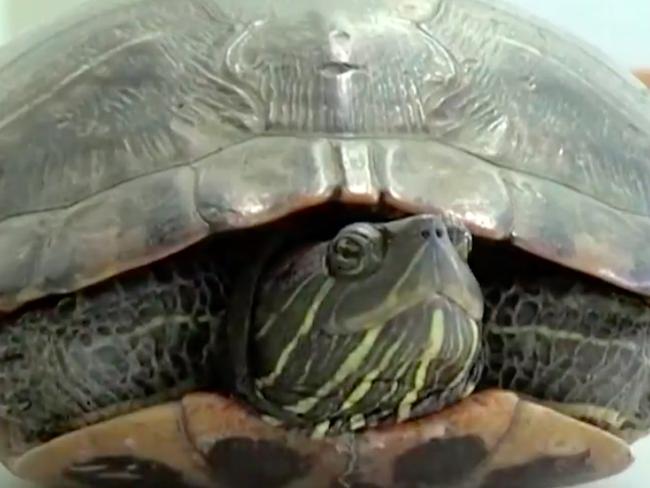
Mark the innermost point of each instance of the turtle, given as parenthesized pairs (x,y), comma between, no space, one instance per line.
(320,244)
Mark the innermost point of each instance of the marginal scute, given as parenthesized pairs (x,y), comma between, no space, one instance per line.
(358,160)
(555,222)
(264,179)
(135,224)
(421,176)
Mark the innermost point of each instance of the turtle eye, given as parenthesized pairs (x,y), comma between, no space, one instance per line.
(357,250)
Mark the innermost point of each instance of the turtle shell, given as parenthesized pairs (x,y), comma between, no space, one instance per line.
(138,127)
(135,128)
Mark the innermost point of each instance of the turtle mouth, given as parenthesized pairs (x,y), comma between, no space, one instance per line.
(546,328)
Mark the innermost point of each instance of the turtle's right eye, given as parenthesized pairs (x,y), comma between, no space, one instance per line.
(357,250)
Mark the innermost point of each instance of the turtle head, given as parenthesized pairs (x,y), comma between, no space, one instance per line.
(376,319)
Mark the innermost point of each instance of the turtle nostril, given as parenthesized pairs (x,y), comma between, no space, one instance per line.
(426,234)
(440,233)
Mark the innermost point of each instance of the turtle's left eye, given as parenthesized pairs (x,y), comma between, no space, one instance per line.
(357,250)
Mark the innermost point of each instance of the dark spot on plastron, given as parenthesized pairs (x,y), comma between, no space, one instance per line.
(545,472)
(239,462)
(439,463)
(125,472)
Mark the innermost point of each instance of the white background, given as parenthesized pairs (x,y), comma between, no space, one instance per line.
(620,28)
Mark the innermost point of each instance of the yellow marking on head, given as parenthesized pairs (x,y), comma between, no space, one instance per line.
(366,382)
(321,430)
(357,422)
(304,329)
(303,377)
(272,421)
(396,383)
(467,363)
(351,365)
(436,338)
(271,320)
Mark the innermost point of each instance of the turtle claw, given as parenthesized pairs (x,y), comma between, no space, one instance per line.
(492,439)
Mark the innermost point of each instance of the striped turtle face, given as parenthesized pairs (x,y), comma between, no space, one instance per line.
(380,320)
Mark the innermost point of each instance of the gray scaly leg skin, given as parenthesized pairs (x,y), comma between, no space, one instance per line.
(137,340)
(581,347)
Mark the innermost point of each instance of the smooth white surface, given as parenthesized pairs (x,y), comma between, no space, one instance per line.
(619,28)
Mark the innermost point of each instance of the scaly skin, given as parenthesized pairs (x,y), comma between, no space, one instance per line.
(134,341)
(578,344)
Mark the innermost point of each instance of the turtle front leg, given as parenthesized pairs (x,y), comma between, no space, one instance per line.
(575,344)
(138,340)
